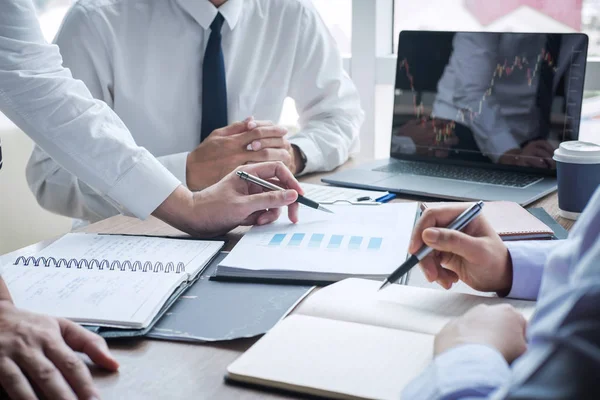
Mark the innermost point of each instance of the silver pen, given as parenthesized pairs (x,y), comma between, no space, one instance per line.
(268,185)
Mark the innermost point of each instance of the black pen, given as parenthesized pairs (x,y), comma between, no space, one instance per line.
(458,224)
(268,185)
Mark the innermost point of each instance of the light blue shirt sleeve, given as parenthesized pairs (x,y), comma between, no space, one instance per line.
(469,371)
(568,289)
(477,371)
(528,259)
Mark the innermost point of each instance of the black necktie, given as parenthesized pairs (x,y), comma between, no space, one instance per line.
(545,92)
(214,86)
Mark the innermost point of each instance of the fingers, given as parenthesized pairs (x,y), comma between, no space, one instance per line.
(271,170)
(266,155)
(274,143)
(274,199)
(545,146)
(268,216)
(45,375)
(434,217)
(263,132)
(531,161)
(235,128)
(293,212)
(73,370)
(82,340)
(434,272)
(4,292)
(241,127)
(451,241)
(13,381)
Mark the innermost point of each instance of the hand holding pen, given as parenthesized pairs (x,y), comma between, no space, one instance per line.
(476,255)
(271,186)
(421,250)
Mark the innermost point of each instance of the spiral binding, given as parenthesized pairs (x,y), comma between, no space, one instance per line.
(101,265)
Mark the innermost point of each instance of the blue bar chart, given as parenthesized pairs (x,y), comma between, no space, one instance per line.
(315,240)
(325,241)
(355,242)
(335,241)
(277,239)
(296,239)
(375,243)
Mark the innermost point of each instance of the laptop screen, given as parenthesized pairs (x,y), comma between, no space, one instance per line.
(492,99)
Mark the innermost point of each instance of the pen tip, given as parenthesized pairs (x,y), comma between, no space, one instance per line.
(384,284)
(325,209)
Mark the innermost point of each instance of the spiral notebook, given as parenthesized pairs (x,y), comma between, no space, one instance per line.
(113,281)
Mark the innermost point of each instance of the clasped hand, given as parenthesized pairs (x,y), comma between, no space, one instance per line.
(240,143)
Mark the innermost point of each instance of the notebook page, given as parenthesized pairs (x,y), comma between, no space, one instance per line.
(370,240)
(398,306)
(194,254)
(110,298)
(325,357)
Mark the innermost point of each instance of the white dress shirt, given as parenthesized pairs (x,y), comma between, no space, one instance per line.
(509,116)
(144,58)
(60,115)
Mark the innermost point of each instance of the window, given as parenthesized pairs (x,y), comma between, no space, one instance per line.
(337,15)
(50,14)
(502,16)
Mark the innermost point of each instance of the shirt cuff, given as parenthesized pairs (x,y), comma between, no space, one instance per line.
(314,158)
(469,371)
(528,259)
(177,165)
(157,183)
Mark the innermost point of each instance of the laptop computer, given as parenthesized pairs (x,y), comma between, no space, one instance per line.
(477,115)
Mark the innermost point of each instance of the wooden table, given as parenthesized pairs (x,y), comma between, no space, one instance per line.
(153,369)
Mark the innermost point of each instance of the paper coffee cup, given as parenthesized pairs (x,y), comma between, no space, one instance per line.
(578,175)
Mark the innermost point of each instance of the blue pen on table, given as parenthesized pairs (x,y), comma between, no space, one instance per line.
(458,224)
(386,198)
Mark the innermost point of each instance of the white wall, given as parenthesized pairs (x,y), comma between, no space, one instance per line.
(22,220)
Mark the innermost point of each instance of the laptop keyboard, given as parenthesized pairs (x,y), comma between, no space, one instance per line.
(461,173)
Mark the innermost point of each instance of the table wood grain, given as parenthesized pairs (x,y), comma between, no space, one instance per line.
(153,369)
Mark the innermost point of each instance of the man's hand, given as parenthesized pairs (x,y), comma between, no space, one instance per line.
(237,144)
(38,351)
(477,256)
(536,154)
(500,327)
(232,202)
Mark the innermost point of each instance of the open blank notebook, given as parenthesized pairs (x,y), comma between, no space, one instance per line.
(355,241)
(350,341)
(106,280)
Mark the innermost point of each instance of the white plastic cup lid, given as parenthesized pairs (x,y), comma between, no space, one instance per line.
(576,152)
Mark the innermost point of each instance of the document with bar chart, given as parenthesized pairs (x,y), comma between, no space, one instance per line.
(354,241)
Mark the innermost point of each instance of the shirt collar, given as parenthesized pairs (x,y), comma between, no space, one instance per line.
(204,12)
